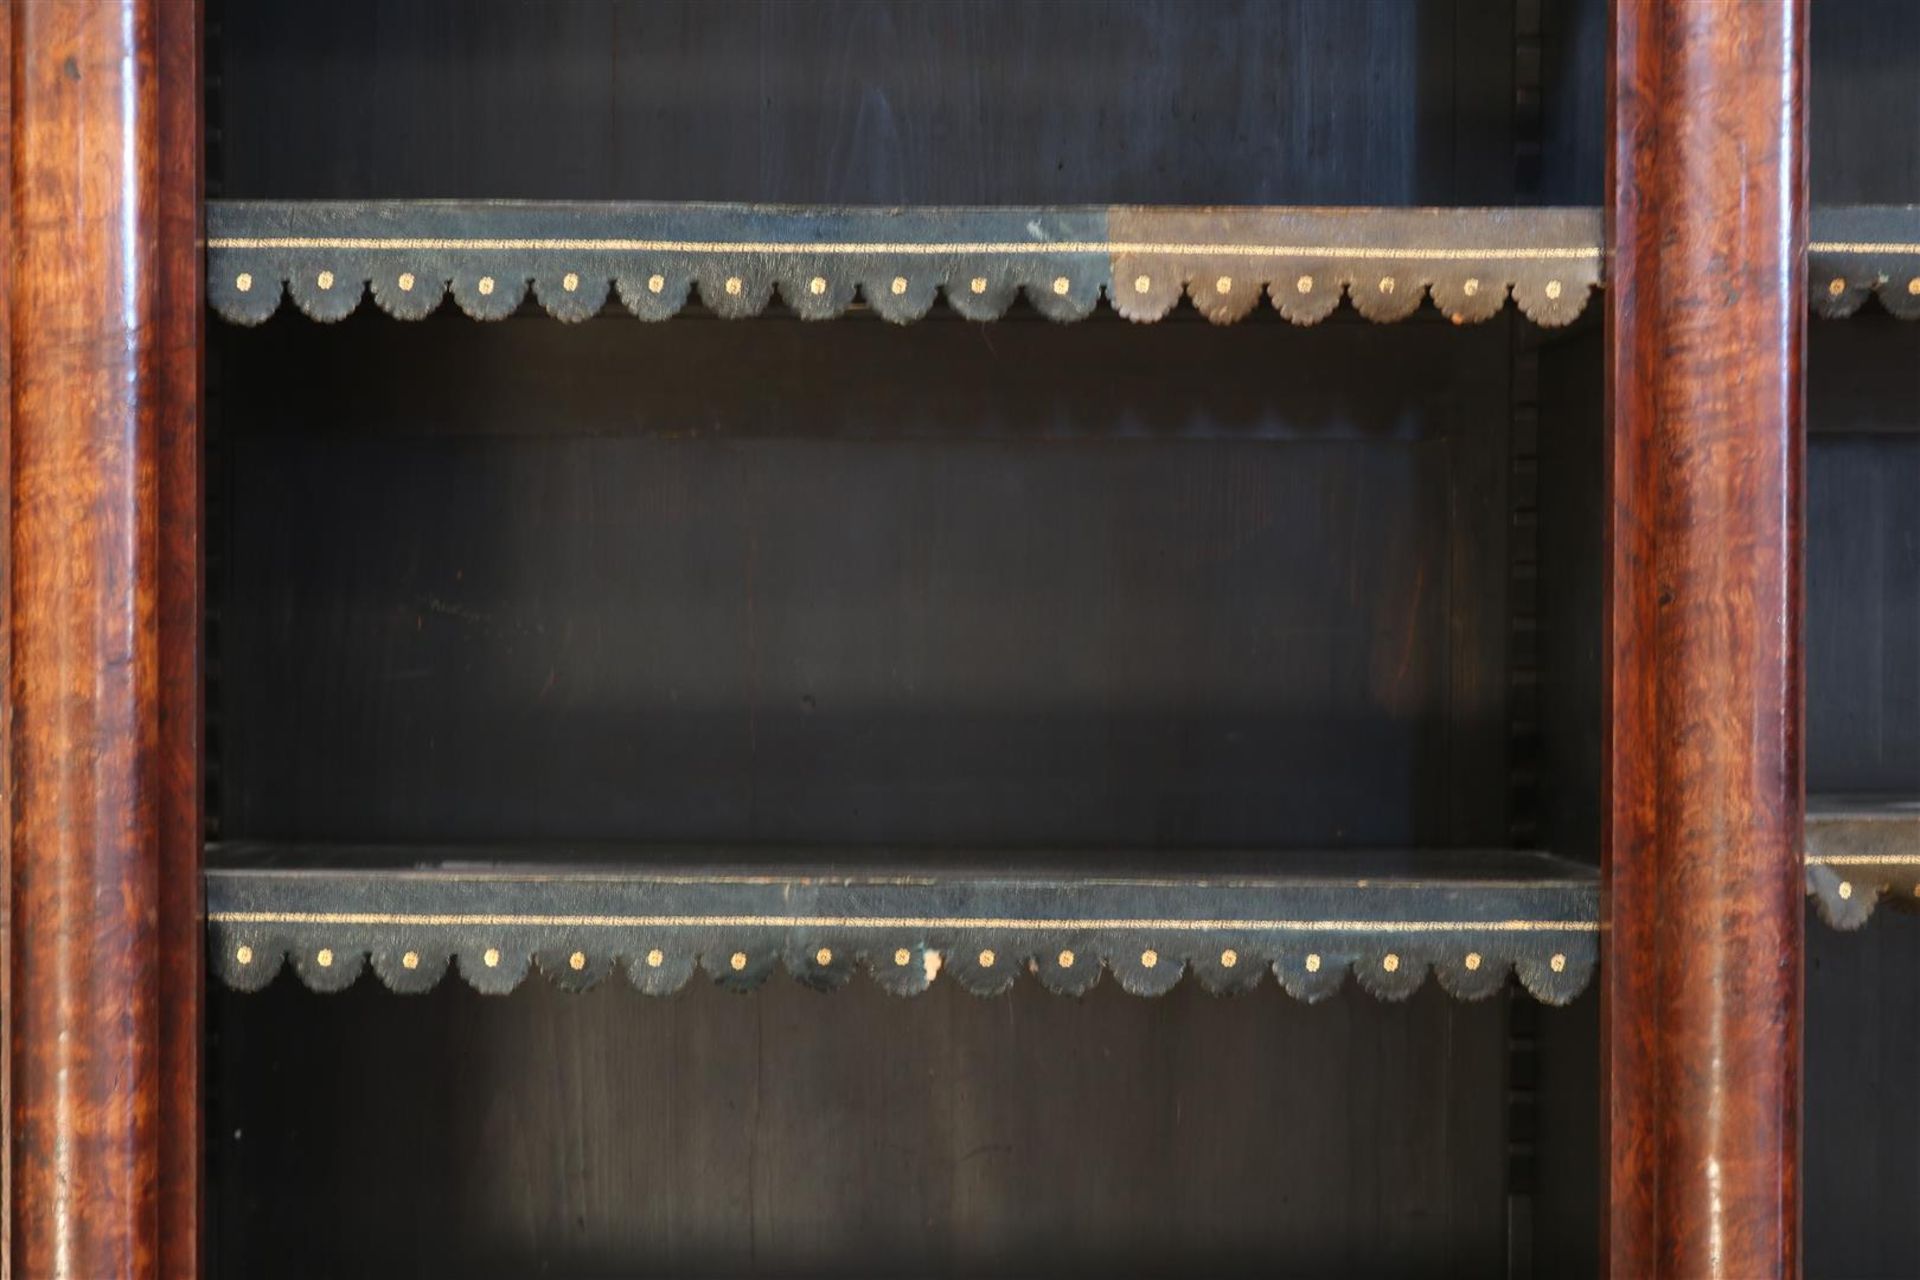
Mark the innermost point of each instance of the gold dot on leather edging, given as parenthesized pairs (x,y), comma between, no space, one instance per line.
(1473,961)
(1390,962)
(901,957)
(1846,888)
(733,286)
(1836,286)
(243,953)
(1141,284)
(1223,285)
(1066,959)
(491,958)
(411,960)
(656,283)
(1913,286)
(1304,284)
(978,284)
(570,282)
(899,285)
(987,958)
(324,957)
(817,286)
(1060,286)
(1229,958)
(1313,963)
(1558,964)
(406,282)
(737,961)
(324,279)
(486,286)
(823,957)
(1149,958)
(577,961)
(655,958)
(244,282)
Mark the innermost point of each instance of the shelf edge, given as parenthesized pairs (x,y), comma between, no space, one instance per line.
(489,255)
(411,929)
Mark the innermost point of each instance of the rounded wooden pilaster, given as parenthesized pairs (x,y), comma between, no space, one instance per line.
(94,310)
(1701,971)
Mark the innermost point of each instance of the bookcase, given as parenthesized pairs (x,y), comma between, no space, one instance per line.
(961,638)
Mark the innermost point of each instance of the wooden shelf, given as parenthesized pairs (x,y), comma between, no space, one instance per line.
(1857,251)
(823,260)
(1388,918)
(827,261)
(1471,917)
(1858,849)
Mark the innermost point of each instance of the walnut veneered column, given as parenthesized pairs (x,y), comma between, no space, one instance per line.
(102,332)
(1705,896)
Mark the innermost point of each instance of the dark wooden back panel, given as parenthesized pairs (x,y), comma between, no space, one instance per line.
(792,1133)
(1863,657)
(1863,559)
(1095,585)
(857,102)
(1863,109)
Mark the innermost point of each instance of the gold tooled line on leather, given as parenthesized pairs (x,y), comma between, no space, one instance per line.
(898,922)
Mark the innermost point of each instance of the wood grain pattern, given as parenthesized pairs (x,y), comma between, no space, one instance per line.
(1703,824)
(6,636)
(178,339)
(86,1018)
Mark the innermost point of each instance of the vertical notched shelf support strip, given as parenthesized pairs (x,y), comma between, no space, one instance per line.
(104,352)
(1702,906)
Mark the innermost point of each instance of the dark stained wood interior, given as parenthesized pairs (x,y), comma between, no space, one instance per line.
(720,1135)
(845,102)
(436,551)
(1863,658)
(848,583)
(1021,583)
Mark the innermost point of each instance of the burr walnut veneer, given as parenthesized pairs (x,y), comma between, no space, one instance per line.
(1671,856)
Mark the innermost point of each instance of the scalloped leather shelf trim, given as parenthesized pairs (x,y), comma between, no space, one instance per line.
(1860,250)
(1388,920)
(1860,849)
(822,261)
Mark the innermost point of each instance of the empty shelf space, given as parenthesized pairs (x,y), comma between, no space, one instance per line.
(906,916)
